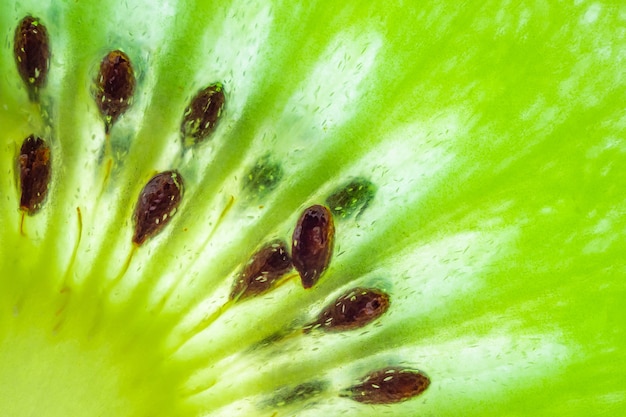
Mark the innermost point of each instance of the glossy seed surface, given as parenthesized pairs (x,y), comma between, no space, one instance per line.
(114,86)
(156,205)
(312,243)
(388,386)
(352,310)
(202,114)
(34,166)
(264,267)
(32,53)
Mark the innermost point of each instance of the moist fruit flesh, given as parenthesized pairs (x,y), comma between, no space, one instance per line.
(492,137)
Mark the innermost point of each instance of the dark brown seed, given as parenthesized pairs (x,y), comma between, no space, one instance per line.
(157,204)
(32,53)
(34,165)
(354,309)
(312,244)
(202,114)
(263,269)
(114,86)
(389,385)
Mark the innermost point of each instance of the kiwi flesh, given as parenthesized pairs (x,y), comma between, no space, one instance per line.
(471,160)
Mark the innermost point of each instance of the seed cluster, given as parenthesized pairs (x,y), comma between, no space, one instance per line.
(313,237)
(31,50)
(311,248)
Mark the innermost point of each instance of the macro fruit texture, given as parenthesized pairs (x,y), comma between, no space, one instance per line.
(472,157)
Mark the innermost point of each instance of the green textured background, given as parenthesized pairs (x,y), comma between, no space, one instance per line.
(494,133)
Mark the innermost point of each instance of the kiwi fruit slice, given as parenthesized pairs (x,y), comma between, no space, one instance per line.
(268,209)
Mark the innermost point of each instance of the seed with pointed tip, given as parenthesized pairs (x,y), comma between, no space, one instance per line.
(312,243)
(352,310)
(34,167)
(156,205)
(264,267)
(32,53)
(388,386)
(202,114)
(114,86)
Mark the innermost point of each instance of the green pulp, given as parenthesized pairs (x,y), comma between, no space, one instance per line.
(493,135)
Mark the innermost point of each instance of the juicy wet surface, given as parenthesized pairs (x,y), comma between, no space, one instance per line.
(493,151)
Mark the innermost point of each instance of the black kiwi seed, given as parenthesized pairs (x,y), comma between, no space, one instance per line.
(312,243)
(202,114)
(34,167)
(156,205)
(352,310)
(388,386)
(32,54)
(264,267)
(114,86)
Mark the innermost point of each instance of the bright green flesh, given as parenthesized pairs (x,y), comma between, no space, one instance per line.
(494,136)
